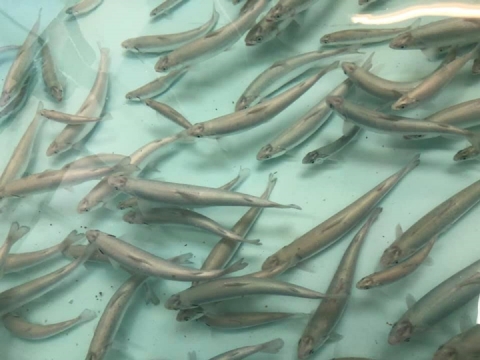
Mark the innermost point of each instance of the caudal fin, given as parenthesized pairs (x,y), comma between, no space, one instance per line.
(236,266)
(87,315)
(272,347)
(72,238)
(16,233)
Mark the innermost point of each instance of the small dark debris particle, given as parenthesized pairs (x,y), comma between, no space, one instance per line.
(185,245)
(71,301)
(50,224)
(100,293)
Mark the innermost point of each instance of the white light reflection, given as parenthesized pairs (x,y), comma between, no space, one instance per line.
(445,9)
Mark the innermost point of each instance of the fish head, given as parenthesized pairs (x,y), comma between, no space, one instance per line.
(278,13)
(401,331)
(84,206)
(130,217)
(117,181)
(334,102)
(91,236)
(163,64)
(196,130)
(402,41)
(174,302)
(466,154)
(271,262)
(127,44)
(255,36)
(266,152)
(390,256)
(5,97)
(131,96)
(326,39)
(53,149)
(446,352)
(313,157)
(244,102)
(404,102)
(348,67)
(189,314)
(57,93)
(365,283)
(305,347)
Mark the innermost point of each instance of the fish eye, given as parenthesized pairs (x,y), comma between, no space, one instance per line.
(164,68)
(330,105)
(402,46)
(259,39)
(277,16)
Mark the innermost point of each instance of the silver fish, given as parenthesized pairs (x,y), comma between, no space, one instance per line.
(265,31)
(112,317)
(398,271)
(439,33)
(21,65)
(156,87)
(242,320)
(182,217)
(270,347)
(83,7)
(435,222)
(468,153)
(65,118)
(435,82)
(23,261)
(49,73)
(185,195)
(380,87)
(391,124)
(211,44)
(169,112)
(462,346)
(304,127)
(18,296)
(165,7)
(435,305)
(364,36)
(91,107)
(285,9)
(258,114)
(24,329)
(283,71)
(168,42)
(235,287)
(19,100)
(327,315)
(332,229)
(328,151)
(20,158)
(145,263)
(15,233)
(50,180)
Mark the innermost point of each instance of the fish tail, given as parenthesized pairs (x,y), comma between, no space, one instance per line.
(412,164)
(16,233)
(272,180)
(290,206)
(272,347)
(415,24)
(236,266)
(72,238)
(254,242)
(367,65)
(474,139)
(182,259)
(86,315)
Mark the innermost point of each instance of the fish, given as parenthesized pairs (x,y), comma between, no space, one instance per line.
(26,260)
(435,82)
(156,87)
(270,347)
(211,44)
(148,264)
(328,151)
(21,65)
(461,346)
(256,115)
(169,112)
(327,315)
(165,7)
(242,320)
(364,36)
(169,42)
(91,107)
(49,72)
(24,329)
(304,127)
(182,217)
(65,118)
(22,153)
(332,229)
(19,100)
(398,271)
(444,32)
(83,7)
(20,295)
(187,195)
(468,153)
(432,224)
(380,87)
(265,31)
(15,233)
(285,9)
(51,180)
(112,317)
(283,71)
(435,305)
(235,287)
(391,124)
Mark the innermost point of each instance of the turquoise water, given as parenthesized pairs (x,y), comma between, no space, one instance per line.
(209,90)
